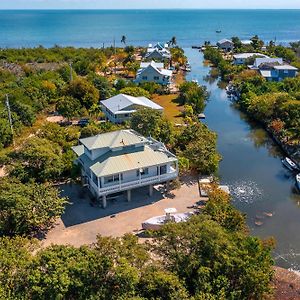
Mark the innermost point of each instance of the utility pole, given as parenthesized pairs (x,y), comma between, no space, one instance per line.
(9,118)
(71,72)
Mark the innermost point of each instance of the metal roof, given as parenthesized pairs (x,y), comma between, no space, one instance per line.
(259,61)
(114,139)
(224,41)
(151,66)
(156,64)
(249,55)
(131,161)
(119,103)
(285,67)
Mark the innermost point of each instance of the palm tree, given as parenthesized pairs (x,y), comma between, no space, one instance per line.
(123,39)
(173,41)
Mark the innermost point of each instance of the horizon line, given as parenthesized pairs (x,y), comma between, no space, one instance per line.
(178,8)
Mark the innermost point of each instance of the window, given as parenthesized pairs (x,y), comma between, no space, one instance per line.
(112,178)
(163,169)
(144,77)
(156,77)
(141,171)
(95,179)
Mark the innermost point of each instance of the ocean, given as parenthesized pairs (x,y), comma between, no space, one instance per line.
(92,28)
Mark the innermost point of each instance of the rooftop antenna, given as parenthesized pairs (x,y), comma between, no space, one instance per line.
(9,117)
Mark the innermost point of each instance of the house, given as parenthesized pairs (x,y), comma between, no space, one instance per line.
(158,52)
(260,62)
(158,65)
(242,58)
(226,45)
(123,160)
(278,72)
(119,108)
(154,74)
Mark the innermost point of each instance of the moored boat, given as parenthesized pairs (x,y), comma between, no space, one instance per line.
(298,181)
(156,223)
(287,162)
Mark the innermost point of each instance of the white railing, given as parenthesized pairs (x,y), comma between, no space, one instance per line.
(137,183)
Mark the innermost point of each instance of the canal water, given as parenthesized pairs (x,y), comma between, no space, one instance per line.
(252,168)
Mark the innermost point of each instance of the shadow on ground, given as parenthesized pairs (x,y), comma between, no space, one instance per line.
(82,209)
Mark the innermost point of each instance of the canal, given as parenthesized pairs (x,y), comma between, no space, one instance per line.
(251,166)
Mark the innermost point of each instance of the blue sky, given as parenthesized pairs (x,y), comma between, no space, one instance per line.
(98,4)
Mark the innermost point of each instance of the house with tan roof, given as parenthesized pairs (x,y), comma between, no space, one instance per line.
(121,161)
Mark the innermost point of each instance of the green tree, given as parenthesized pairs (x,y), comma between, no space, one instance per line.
(40,159)
(194,95)
(28,208)
(135,92)
(68,107)
(213,261)
(82,90)
(150,122)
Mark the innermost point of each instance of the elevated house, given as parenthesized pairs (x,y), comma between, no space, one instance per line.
(154,74)
(119,108)
(225,45)
(158,52)
(242,58)
(122,161)
(274,69)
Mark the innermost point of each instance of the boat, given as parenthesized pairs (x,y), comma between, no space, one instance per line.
(287,162)
(171,216)
(218,31)
(298,181)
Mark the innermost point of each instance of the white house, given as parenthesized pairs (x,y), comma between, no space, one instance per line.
(225,44)
(119,108)
(158,52)
(241,58)
(154,74)
(122,161)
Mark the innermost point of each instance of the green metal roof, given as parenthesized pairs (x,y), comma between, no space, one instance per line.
(113,139)
(131,161)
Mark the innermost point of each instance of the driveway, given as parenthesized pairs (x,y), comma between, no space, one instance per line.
(84,220)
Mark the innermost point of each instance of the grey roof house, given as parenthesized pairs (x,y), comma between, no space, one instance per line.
(157,52)
(152,73)
(123,160)
(241,58)
(226,45)
(118,109)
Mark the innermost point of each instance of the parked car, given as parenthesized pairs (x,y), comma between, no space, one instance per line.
(65,123)
(83,122)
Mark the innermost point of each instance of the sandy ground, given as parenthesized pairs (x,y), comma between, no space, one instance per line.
(82,221)
(55,119)
(287,285)
(2,172)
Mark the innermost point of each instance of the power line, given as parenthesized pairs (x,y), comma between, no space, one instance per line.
(9,118)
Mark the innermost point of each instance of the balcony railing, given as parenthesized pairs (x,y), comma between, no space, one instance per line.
(122,186)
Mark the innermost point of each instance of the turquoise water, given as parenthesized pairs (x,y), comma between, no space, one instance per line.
(93,28)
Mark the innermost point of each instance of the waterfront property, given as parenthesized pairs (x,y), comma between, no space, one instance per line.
(242,58)
(274,69)
(123,160)
(225,45)
(154,74)
(158,52)
(118,109)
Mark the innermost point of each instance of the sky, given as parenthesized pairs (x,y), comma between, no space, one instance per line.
(153,4)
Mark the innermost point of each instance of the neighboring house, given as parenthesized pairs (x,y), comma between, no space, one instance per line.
(246,42)
(119,108)
(153,74)
(158,65)
(158,52)
(123,160)
(242,58)
(226,45)
(259,62)
(278,72)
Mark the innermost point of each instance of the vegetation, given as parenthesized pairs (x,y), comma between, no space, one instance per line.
(204,258)
(27,208)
